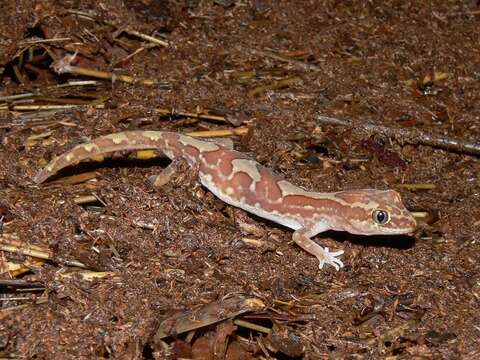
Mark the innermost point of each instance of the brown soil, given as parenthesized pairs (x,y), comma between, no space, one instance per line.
(271,66)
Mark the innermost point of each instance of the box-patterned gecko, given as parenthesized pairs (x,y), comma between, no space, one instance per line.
(244,183)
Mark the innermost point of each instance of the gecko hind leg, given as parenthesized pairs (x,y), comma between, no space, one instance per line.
(323,255)
(165,176)
(178,166)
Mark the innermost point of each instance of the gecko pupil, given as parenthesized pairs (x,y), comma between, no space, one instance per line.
(381,217)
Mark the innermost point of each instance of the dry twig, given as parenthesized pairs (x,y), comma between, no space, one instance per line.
(410,136)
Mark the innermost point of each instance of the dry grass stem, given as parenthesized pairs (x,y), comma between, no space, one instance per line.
(40,41)
(63,66)
(85,199)
(420,186)
(219,133)
(147,37)
(88,275)
(75,179)
(192,115)
(251,326)
(46,107)
(10,243)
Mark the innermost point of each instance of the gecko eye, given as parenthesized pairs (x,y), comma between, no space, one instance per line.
(381,217)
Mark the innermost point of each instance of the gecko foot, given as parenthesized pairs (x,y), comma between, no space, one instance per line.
(331,258)
(323,255)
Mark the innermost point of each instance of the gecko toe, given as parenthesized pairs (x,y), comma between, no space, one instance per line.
(327,257)
(331,258)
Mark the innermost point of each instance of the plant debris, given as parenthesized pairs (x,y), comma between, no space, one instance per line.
(99,261)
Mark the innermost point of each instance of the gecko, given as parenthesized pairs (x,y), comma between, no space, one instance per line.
(242,182)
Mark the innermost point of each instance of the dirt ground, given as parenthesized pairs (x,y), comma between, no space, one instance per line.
(95,266)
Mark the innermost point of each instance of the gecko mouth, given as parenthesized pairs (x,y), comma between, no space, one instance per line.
(379,230)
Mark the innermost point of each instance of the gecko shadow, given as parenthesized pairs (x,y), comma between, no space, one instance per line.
(157,164)
(401,242)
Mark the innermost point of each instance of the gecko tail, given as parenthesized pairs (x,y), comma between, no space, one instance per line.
(97,148)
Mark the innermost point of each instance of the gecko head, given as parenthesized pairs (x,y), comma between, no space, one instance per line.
(375,212)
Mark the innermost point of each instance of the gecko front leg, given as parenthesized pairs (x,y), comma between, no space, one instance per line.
(324,256)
